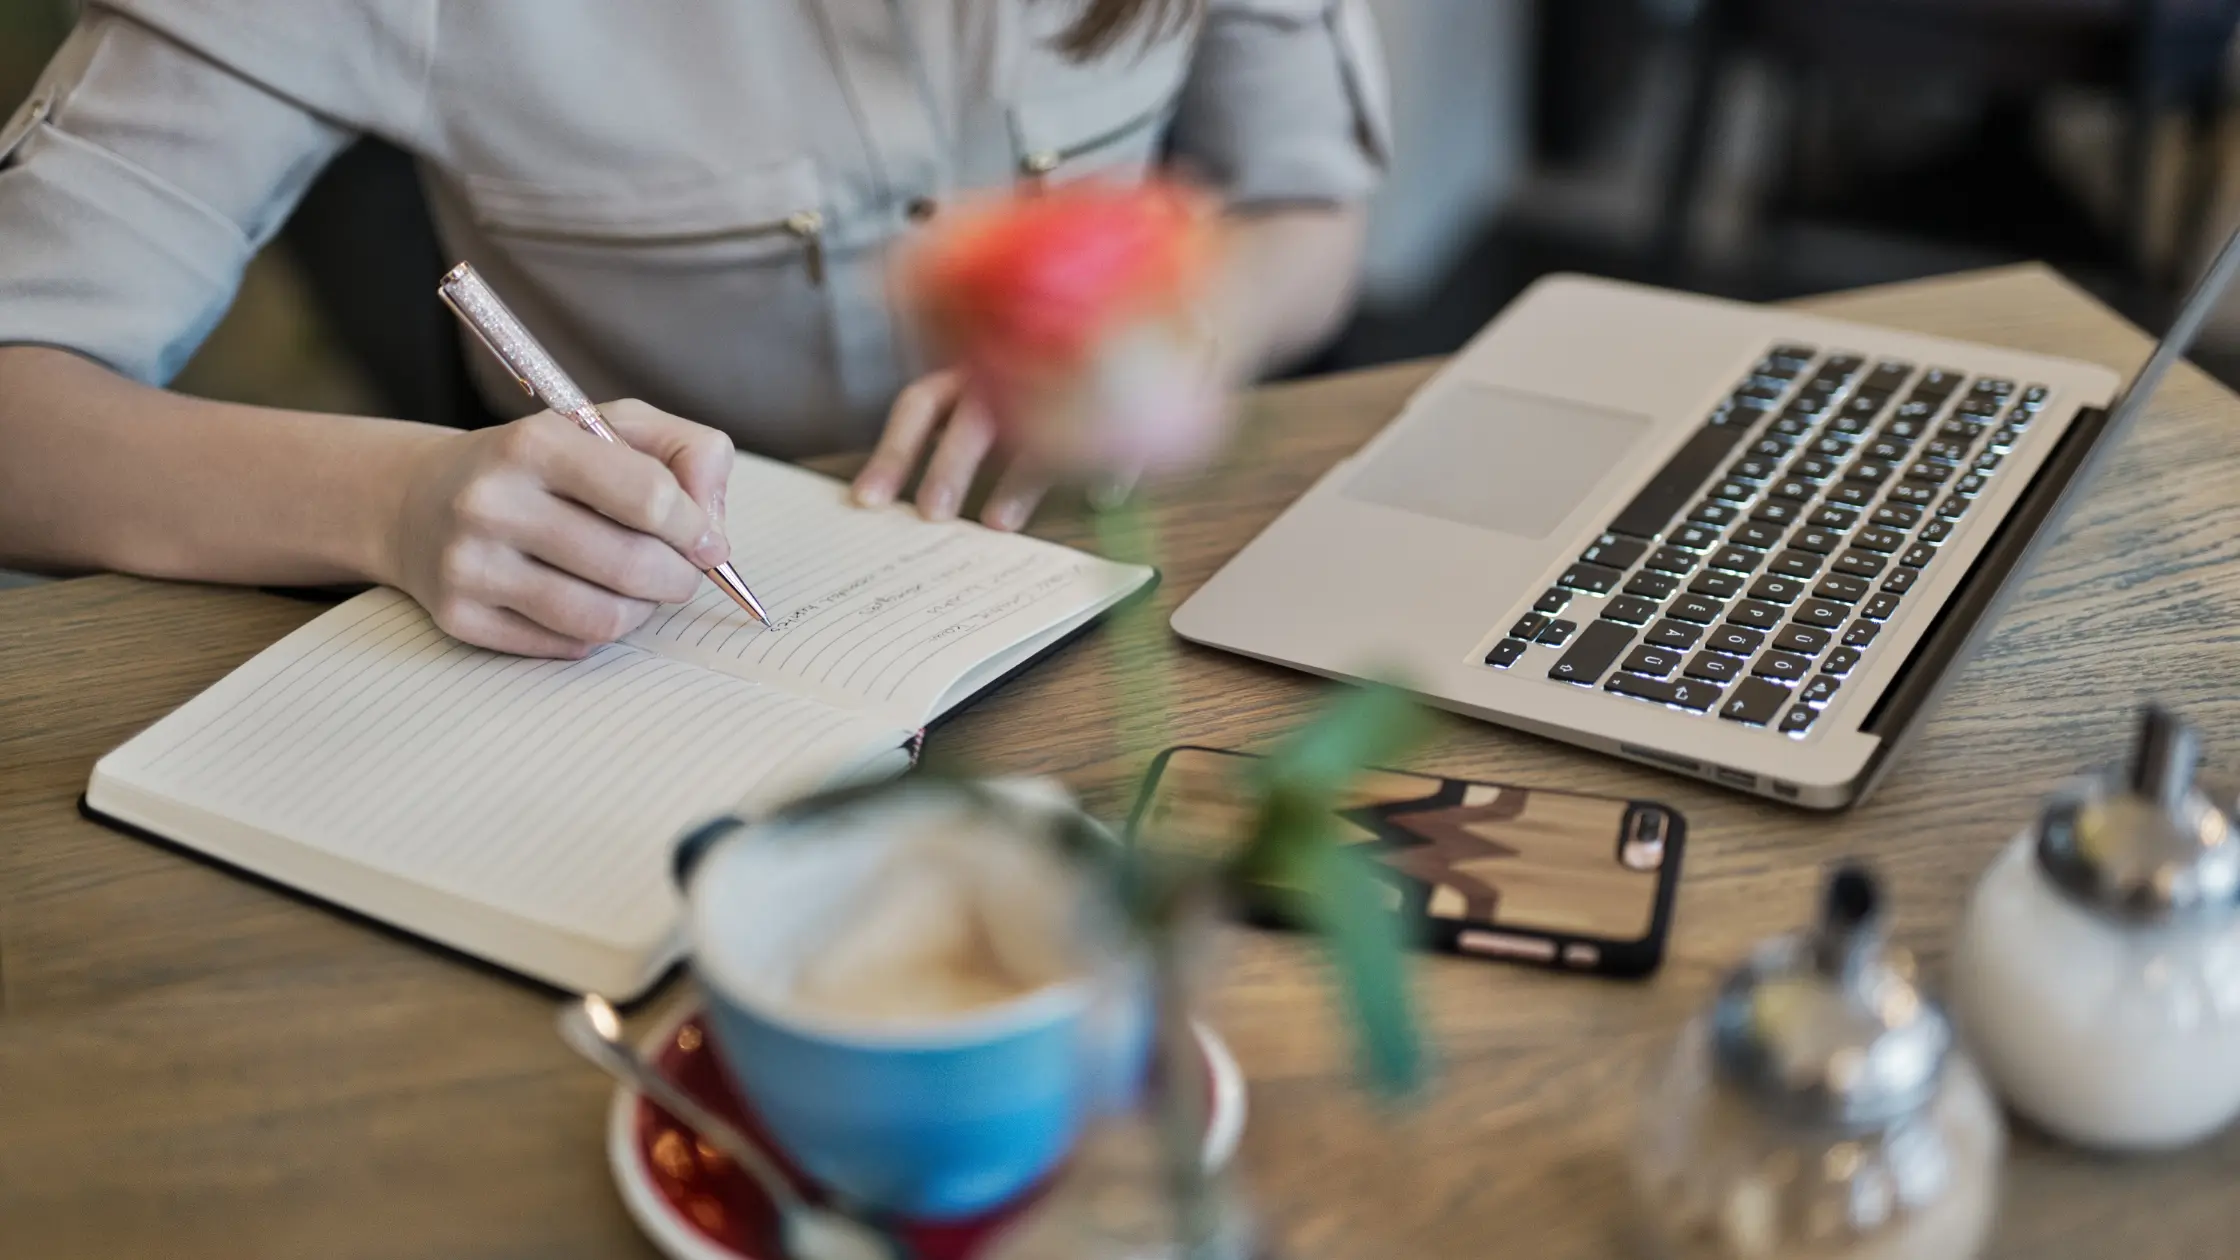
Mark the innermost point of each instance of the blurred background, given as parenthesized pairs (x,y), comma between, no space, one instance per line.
(1752,148)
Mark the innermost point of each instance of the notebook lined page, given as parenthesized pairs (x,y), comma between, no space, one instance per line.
(878,609)
(550,790)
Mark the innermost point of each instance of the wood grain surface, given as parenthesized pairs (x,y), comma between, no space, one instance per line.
(193,1064)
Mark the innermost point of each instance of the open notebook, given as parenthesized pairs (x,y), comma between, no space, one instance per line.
(522,810)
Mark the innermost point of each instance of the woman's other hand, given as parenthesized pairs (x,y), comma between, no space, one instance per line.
(936,420)
(540,539)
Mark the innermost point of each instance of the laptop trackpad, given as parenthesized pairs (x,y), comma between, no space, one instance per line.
(1496,459)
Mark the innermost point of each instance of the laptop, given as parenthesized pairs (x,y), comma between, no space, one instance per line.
(1736,542)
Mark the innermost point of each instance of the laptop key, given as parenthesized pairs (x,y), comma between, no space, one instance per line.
(1860,634)
(2034,397)
(1820,542)
(1815,468)
(1978,407)
(1793,352)
(1961,430)
(1713,512)
(1631,610)
(1528,626)
(1557,633)
(1844,365)
(1834,446)
(1790,425)
(1881,608)
(1840,662)
(1887,450)
(1841,587)
(1803,640)
(1857,563)
(1552,602)
(1900,582)
(1969,486)
(1879,539)
(1776,590)
(1918,556)
(1820,690)
(1590,658)
(1738,559)
(1897,516)
(1953,508)
(1835,518)
(1929,471)
(1799,719)
(1656,662)
(1713,667)
(1782,666)
(1889,374)
(1695,608)
(1716,585)
(1694,537)
(1685,693)
(1936,531)
(1735,640)
(1796,564)
(1913,492)
(2005,438)
(1652,586)
(1734,491)
(1873,472)
(1939,382)
(1852,425)
(1946,448)
(1505,653)
(1677,482)
(1674,634)
(1594,579)
(1826,614)
(1755,701)
(1756,534)
(1754,468)
(1776,512)
(1672,560)
(1613,552)
(1756,614)
(1794,488)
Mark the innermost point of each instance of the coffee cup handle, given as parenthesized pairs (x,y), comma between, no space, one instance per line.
(694,845)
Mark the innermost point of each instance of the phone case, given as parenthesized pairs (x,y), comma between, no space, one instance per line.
(1561,879)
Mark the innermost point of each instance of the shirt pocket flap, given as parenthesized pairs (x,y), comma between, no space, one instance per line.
(1061,121)
(27,120)
(759,200)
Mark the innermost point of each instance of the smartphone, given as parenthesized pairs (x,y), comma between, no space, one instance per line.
(1490,870)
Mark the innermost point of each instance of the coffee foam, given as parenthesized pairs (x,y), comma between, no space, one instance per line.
(908,912)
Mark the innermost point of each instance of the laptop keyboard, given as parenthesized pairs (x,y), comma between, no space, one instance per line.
(1754,572)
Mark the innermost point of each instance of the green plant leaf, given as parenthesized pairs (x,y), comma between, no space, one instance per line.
(1296,846)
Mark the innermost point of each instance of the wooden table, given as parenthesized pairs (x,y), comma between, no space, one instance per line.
(193,1065)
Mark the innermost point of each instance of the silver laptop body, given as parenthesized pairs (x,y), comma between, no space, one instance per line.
(1737,542)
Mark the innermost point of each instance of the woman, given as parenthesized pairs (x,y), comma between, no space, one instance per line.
(691,203)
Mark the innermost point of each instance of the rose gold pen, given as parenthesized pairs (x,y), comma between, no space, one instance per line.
(475,303)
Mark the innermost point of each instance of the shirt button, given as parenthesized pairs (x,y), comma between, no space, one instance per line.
(920,209)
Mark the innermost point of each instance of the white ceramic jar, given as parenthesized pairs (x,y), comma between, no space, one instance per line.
(2097,975)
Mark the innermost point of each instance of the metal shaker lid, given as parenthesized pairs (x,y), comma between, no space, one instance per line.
(1826,1027)
(2145,845)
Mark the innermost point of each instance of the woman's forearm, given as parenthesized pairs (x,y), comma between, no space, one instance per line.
(1287,285)
(99,472)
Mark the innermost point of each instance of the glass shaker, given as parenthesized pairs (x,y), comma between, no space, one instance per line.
(2098,970)
(1115,1200)
(1820,1110)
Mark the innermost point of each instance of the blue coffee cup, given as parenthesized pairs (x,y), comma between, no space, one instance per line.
(932,1118)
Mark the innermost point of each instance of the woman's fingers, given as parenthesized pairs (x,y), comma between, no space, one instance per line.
(917,412)
(700,458)
(503,630)
(626,486)
(965,441)
(562,603)
(576,540)
(1016,495)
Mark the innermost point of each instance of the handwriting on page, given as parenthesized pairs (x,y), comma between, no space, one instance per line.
(548,788)
(878,606)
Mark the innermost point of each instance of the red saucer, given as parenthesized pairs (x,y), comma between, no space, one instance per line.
(696,1205)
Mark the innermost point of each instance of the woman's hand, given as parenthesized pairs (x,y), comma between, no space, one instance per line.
(936,411)
(539,539)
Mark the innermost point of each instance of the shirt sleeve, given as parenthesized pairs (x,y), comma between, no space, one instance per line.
(1286,102)
(135,185)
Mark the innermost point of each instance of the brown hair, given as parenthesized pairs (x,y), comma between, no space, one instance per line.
(1104,23)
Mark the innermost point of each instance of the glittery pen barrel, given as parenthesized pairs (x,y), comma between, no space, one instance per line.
(476,305)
